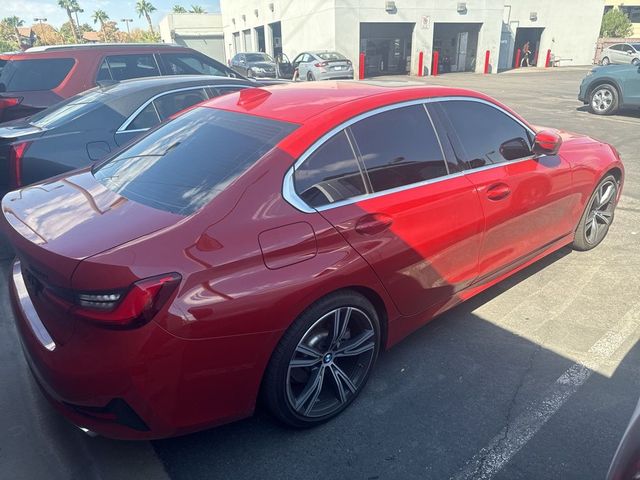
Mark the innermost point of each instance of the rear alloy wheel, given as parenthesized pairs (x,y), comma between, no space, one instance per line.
(598,216)
(635,61)
(604,99)
(605,61)
(323,361)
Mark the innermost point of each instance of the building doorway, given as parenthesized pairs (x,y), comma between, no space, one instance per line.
(246,41)
(237,48)
(260,39)
(276,38)
(457,46)
(533,36)
(387,48)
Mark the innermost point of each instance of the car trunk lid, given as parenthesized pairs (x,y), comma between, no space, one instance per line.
(56,225)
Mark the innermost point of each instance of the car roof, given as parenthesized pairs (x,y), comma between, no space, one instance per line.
(91,49)
(320,106)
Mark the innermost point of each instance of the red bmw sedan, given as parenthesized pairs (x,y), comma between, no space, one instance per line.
(273,241)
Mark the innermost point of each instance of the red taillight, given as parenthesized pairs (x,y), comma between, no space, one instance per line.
(131,308)
(16,152)
(323,64)
(6,102)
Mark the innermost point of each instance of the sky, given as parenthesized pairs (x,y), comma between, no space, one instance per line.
(116,9)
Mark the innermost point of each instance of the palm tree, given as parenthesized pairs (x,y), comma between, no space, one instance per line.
(179,9)
(145,8)
(102,17)
(197,9)
(77,9)
(15,22)
(68,5)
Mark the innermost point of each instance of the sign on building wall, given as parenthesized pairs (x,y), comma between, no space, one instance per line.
(425,21)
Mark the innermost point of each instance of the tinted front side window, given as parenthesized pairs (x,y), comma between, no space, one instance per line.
(330,174)
(123,67)
(183,164)
(186,64)
(399,147)
(29,75)
(486,134)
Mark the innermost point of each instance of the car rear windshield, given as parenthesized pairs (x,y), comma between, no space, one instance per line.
(68,110)
(38,74)
(258,57)
(331,56)
(182,165)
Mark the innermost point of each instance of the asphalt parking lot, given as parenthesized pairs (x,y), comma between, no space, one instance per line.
(535,378)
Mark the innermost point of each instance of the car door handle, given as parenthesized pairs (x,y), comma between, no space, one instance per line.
(498,191)
(373,223)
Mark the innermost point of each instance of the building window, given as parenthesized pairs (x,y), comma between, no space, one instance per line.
(633,12)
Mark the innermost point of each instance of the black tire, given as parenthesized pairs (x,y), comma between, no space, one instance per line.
(597,216)
(310,77)
(603,99)
(249,73)
(286,382)
(605,61)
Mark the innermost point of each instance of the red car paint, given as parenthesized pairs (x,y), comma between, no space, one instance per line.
(250,262)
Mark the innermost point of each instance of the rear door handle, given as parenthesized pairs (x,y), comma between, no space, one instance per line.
(498,191)
(373,223)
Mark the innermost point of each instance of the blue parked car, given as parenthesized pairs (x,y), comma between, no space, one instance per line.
(608,89)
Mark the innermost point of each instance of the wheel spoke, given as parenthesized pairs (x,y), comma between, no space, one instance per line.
(340,324)
(342,395)
(604,216)
(358,345)
(605,194)
(592,231)
(311,392)
(342,378)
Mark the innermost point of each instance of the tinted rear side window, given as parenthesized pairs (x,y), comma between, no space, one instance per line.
(330,174)
(399,147)
(183,164)
(30,75)
(123,67)
(486,134)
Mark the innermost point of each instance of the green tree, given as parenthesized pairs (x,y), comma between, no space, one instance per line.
(75,7)
(179,9)
(197,9)
(68,5)
(6,46)
(616,24)
(67,33)
(102,17)
(145,8)
(12,24)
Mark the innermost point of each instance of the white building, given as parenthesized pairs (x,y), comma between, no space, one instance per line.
(393,33)
(200,31)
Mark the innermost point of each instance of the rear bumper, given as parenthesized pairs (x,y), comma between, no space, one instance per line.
(336,75)
(137,384)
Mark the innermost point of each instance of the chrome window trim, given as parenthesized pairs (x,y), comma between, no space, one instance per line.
(123,128)
(288,188)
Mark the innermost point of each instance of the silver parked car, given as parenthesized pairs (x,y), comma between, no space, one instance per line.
(323,66)
(621,53)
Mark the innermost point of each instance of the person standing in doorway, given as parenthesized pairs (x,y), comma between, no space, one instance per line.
(526,53)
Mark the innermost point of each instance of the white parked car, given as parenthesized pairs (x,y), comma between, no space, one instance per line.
(621,53)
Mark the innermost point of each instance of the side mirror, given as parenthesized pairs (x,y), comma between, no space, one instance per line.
(514,149)
(546,142)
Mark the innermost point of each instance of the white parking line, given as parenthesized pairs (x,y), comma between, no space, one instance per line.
(491,459)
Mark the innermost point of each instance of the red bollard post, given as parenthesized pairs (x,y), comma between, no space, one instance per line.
(421,64)
(518,53)
(361,69)
(486,62)
(434,68)
(547,62)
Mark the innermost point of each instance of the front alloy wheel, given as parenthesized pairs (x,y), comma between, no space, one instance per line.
(323,360)
(604,100)
(598,215)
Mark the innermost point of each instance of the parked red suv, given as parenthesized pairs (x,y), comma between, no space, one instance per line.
(38,78)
